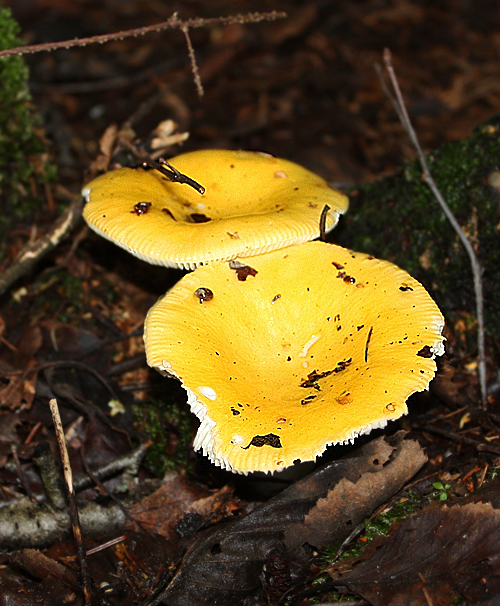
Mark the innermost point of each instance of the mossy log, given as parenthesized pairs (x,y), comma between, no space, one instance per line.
(398,218)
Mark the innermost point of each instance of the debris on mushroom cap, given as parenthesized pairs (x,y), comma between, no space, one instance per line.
(253,203)
(316,346)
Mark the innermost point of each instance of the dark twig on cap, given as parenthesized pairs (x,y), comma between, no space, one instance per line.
(322,223)
(174,175)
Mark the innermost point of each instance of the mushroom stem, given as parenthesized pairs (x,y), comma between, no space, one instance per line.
(400,107)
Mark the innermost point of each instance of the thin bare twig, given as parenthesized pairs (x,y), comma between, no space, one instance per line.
(454,437)
(110,543)
(194,65)
(73,510)
(173,23)
(427,177)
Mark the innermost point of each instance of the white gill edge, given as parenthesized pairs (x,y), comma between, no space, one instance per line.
(191,265)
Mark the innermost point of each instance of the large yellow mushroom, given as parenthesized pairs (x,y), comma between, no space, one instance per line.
(285,353)
(253,203)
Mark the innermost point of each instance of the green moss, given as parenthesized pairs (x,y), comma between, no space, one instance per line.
(398,218)
(23,151)
(379,526)
(168,423)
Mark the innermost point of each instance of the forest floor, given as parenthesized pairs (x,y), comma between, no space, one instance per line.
(303,88)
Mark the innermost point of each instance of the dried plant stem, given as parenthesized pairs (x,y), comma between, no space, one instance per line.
(194,65)
(73,510)
(427,177)
(173,23)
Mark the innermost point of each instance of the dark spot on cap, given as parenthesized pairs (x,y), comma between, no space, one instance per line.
(312,379)
(314,376)
(242,270)
(269,439)
(204,294)
(425,352)
(141,208)
(165,211)
(200,218)
(342,365)
(405,287)
(368,339)
(308,399)
(337,265)
(234,411)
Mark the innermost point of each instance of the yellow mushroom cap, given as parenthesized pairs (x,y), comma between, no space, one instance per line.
(294,350)
(253,203)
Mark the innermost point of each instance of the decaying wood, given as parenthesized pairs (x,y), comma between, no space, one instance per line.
(24,523)
(32,253)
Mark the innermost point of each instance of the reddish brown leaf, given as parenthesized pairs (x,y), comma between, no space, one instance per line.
(179,508)
(17,387)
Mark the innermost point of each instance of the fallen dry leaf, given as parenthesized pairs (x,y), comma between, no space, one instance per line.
(348,504)
(439,555)
(180,507)
(225,566)
(17,387)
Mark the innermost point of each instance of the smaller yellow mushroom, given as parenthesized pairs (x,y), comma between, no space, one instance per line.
(285,353)
(253,203)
